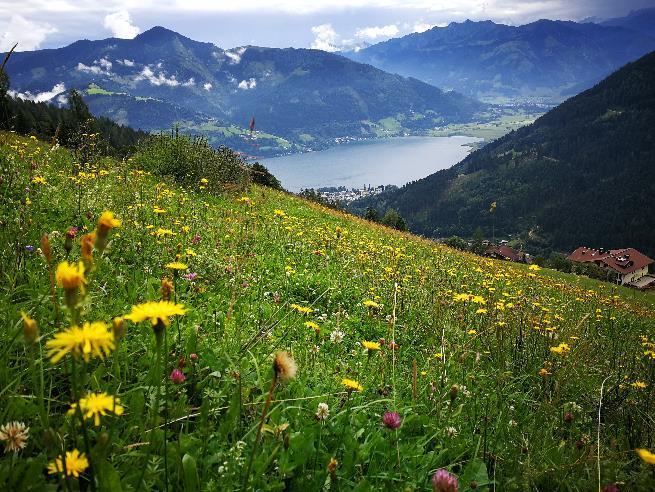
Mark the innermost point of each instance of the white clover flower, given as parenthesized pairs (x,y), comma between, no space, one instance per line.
(323,411)
(337,336)
(451,431)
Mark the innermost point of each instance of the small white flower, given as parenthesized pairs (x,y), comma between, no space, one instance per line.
(451,432)
(15,435)
(337,336)
(323,411)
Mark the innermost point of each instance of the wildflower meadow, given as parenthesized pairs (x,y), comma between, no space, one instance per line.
(214,336)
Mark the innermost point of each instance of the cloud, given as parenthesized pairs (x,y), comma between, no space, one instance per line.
(81,67)
(99,67)
(126,62)
(104,63)
(422,27)
(377,32)
(326,38)
(207,86)
(41,96)
(28,34)
(235,55)
(160,78)
(120,25)
(247,84)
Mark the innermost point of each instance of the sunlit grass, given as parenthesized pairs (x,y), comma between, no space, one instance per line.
(411,357)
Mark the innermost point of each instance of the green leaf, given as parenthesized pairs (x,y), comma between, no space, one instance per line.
(110,479)
(190,473)
(475,471)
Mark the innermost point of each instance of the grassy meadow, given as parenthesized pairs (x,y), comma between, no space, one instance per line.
(159,337)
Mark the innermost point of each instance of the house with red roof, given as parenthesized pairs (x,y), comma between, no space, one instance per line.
(504,252)
(630,265)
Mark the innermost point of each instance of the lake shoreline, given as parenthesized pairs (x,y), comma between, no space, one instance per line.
(370,162)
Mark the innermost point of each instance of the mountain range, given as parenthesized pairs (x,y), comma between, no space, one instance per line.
(545,60)
(299,98)
(581,175)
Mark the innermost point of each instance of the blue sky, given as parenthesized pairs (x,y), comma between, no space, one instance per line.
(323,24)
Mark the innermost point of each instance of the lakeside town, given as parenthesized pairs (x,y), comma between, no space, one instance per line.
(347,195)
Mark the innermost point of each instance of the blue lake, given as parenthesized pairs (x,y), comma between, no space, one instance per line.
(372,162)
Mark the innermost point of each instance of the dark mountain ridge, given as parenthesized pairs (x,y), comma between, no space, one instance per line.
(305,96)
(582,174)
(544,59)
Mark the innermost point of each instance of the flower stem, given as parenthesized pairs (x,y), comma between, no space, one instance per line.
(259,430)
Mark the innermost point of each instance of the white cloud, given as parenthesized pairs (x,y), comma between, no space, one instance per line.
(235,55)
(99,67)
(28,34)
(326,38)
(126,62)
(120,25)
(422,27)
(41,96)
(95,69)
(161,79)
(377,32)
(104,63)
(247,84)
(207,86)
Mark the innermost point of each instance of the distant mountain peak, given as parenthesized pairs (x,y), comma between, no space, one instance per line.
(158,34)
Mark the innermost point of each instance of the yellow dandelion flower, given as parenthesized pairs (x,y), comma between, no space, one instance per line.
(301,309)
(639,385)
(155,311)
(70,276)
(176,265)
(312,325)
(481,311)
(561,349)
(76,463)
(646,456)
(352,385)
(371,304)
(96,405)
(543,372)
(164,232)
(370,345)
(90,340)
(279,213)
(30,328)
(39,180)
(107,221)
(534,268)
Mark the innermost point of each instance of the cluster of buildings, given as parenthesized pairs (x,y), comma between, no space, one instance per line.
(628,266)
(342,194)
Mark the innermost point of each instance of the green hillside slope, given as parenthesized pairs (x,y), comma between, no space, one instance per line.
(494,371)
(582,174)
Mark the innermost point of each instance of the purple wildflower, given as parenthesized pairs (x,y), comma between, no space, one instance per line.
(444,481)
(196,239)
(392,420)
(190,276)
(29,248)
(177,376)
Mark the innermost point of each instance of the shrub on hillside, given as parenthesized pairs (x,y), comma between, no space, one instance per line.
(189,160)
(260,175)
